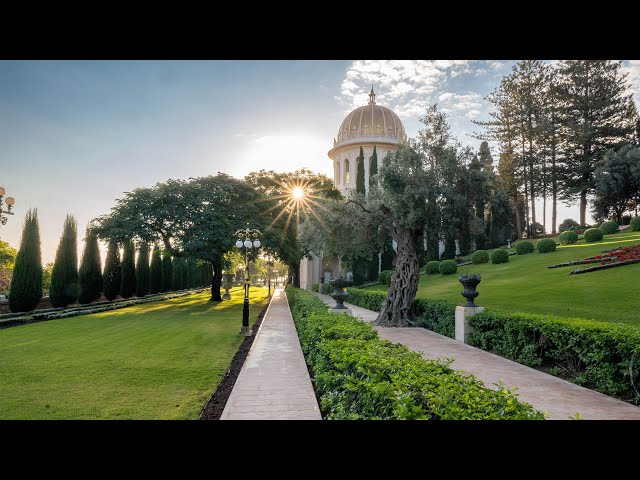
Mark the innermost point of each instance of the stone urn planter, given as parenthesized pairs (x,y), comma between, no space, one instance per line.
(469,282)
(227,283)
(340,292)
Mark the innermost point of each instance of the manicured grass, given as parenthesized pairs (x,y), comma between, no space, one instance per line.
(157,361)
(525,284)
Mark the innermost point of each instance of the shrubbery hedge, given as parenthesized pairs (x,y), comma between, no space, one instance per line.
(609,227)
(597,354)
(480,256)
(634,225)
(359,376)
(315,287)
(546,245)
(593,235)
(499,255)
(524,247)
(448,267)
(433,267)
(568,237)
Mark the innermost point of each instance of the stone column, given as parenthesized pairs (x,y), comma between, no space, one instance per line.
(463,314)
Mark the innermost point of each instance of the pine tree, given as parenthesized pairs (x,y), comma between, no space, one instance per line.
(143,275)
(156,270)
(128,281)
(111,278)
(360,187)
(25,291)
(598,115)
(167,272)
(64,277)
(90,274)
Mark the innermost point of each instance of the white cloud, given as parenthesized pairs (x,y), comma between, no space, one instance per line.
(632,67)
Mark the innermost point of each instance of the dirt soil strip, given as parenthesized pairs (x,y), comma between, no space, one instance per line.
(215,406)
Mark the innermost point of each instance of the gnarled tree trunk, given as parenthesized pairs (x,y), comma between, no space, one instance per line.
(216,281)
(396,309)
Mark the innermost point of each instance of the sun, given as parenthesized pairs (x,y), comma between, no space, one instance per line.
(297,193)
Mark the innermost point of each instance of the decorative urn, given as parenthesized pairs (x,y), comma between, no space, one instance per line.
(227,284)
(340,292)
(470,282)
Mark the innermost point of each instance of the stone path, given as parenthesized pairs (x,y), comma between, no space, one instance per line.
(561,399)
(274,383)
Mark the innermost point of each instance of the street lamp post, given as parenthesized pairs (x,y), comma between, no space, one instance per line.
(247,234)
(10,201)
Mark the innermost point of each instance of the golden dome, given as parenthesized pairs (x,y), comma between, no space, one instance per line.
(370,121)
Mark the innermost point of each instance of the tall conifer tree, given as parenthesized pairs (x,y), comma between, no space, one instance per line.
(64,277)
(112,276)
(90,274)
(128,282)
(25,291)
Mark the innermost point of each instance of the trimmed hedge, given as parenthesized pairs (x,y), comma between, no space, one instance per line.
(593,235)
(448,267)
(546,245)
(499,255)
(634,225)
(524,247)
(315,287)
(384,277)
(594,354)
(609,228)
(433,267)
(568,238)
(480,256)
(359,376)
(326,288)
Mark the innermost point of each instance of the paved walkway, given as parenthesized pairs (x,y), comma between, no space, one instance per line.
(274,382)
(561,399)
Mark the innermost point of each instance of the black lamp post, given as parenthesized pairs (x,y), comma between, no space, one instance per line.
(10,201)
(247,234)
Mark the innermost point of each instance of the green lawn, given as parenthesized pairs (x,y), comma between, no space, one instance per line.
(525,284)
(157,361)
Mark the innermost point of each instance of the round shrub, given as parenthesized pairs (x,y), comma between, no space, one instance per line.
(447,267)
(384,277)
(568,224)
(593,235)
(568,237)
(433,267)
(634,225)
(480,256)
(609,227)
(523,247)
(546,245)
(500,255)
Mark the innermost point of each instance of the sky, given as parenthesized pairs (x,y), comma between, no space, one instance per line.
(75,135)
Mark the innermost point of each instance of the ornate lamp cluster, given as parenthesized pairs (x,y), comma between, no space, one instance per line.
(247,234)
(9,201)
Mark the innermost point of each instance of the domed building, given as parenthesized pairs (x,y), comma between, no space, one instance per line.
(374,128)
(371,126)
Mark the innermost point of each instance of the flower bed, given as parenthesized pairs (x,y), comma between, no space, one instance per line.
(616,257)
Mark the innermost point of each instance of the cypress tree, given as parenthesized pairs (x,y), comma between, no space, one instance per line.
(189,274)
(112,275)
(177,279)
(128,282)
(143,275)
(156,270)
(360,188)
(64,277)
(167,272)
(373,165)
(26,284)
(90,274)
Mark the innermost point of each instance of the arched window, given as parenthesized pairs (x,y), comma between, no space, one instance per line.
(337,182)
(346,172)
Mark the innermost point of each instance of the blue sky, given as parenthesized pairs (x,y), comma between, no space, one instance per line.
(74,135)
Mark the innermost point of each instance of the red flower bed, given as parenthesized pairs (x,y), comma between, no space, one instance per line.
(616,257)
